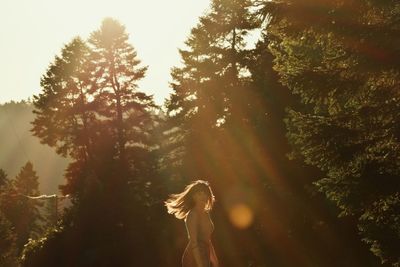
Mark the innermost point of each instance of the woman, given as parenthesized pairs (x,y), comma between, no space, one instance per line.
(193,205)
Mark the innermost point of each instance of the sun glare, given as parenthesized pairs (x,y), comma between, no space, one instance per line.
(37,30)
(241,216)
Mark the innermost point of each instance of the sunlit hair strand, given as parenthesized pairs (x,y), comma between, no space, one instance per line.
(180,204)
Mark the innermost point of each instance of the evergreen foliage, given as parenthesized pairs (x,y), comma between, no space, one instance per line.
(212,88)
(91,109)
(294,131)
(342,59)
(20,210)
(8,249)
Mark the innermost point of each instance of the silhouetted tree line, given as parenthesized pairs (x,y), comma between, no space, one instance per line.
(301,130)
(20,217)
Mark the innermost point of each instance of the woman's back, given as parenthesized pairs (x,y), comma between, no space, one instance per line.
(199,229)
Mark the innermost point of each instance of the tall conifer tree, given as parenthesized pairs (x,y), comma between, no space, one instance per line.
(65,113)
(342,59)
(117,71)
(91,109)
(23,211)
(210,88)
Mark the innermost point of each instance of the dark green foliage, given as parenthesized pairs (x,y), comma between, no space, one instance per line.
(8,249)
(342,59)
(380,226)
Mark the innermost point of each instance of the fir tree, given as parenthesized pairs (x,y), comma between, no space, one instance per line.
(342,59)
(105,124)
(65,117)
(211,88)
(21,210)
(117,71)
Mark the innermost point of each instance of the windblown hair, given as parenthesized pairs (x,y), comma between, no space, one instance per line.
(180,204)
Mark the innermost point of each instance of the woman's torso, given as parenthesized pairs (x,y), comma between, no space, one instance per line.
(204,229)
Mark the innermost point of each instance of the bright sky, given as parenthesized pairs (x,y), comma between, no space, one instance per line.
(34,31)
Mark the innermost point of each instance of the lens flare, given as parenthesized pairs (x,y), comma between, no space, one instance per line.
(241,216)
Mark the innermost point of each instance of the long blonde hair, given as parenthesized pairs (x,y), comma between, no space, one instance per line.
(180,204)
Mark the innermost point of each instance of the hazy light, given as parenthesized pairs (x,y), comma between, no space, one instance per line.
(241,216)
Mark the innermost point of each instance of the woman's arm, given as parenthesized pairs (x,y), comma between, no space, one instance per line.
(192,226)
(213,256)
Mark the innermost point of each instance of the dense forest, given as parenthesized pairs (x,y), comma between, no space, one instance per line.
(298,137)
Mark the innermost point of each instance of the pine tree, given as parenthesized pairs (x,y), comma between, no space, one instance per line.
(62,108)
(129,114)
(65,113)
(22,211)
(91,109)
(117,72)
(342,59)
(210,89)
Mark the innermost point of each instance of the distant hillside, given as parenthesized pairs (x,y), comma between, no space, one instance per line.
(17,146)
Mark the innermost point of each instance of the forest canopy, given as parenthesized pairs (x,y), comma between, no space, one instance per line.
(297,135)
